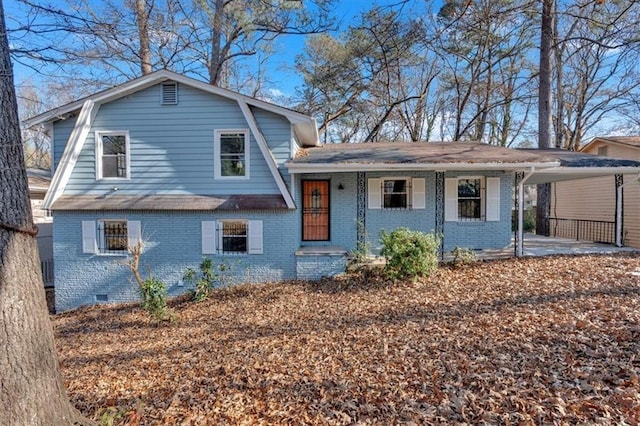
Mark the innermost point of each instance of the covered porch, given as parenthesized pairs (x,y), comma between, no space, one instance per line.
(430,166)
(570,166)
(539,245)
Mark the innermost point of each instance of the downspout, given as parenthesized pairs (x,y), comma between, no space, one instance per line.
(619,211)
(520,247)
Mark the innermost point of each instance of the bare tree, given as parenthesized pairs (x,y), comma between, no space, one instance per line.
(110,41)
(242,28)
(484,48)
(31,389)
(370,83)
(543,205)
(37,145)
(101,43)
(143,12)
(596,67)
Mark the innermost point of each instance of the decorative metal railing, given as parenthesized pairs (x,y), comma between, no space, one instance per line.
(600,231)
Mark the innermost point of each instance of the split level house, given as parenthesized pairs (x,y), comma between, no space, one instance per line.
(586,209)
(196,171)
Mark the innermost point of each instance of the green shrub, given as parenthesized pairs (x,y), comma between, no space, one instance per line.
(208,275)
(152,291)
(463,255)
(203,281)
(154,298)
(409,254)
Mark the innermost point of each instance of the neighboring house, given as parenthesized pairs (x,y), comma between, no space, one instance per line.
(39,181)
(586,209)
(197,171)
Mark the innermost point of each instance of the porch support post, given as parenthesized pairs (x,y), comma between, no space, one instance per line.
(521,181)
(361,210)
(517,247)
(440,211)
(619,209)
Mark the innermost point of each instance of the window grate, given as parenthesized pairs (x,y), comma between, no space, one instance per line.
(113,236)
(234,237)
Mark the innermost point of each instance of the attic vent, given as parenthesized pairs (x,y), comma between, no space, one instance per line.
(603,151)
(169,94)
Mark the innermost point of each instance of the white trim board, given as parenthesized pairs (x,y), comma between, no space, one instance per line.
(267,154)
(71,153)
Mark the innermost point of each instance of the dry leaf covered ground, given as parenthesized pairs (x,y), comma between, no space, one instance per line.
(519,341)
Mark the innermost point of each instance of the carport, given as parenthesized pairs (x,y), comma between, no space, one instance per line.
(561,165)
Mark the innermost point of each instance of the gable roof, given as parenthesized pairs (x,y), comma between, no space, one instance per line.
(632,141)
(304,126)
(545,165)
(39,181)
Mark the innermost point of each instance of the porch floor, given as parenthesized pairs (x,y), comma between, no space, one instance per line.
(538,245)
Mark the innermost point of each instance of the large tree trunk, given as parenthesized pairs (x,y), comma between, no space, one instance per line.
(31,390)
(216,60)
(142,20)
(544,112)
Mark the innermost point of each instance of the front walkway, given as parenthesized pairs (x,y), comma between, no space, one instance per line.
(538,245)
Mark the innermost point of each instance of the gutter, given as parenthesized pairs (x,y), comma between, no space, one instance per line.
(377,167)
(619,210)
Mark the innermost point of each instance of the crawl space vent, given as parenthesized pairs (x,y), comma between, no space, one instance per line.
(102,298)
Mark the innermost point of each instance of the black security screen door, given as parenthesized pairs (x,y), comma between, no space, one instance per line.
(315,210)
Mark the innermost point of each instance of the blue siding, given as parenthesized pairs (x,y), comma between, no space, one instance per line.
(277,131)
(169,250)
(417,219)
(61,132)
(343,210)
(473,235)
(483,235)
(171,146)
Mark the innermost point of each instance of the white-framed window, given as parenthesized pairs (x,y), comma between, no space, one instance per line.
(231,150)
(472,199)
(110,236)
(232,237)
(396,193)
(112,155)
